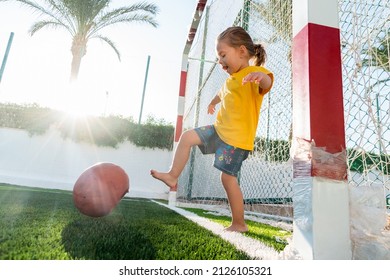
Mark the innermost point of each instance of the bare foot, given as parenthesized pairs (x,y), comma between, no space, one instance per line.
(166,178)
(237,228)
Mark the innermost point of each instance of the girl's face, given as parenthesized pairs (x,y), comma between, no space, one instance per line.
(232,59)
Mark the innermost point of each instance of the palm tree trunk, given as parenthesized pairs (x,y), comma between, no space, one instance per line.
(79,49)
(75,67)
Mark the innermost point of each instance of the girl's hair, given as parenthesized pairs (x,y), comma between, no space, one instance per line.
(237,36)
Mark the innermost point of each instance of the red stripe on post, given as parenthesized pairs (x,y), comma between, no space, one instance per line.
(318,96)
(327,88)
(179,128)
(183,82)
(319,79)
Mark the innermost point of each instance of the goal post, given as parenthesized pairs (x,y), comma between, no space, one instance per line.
(183,82)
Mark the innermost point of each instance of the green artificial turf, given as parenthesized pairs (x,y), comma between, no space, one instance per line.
(41,224)
(272,236)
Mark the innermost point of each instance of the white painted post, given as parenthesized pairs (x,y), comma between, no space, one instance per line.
(321,199)
(183,82)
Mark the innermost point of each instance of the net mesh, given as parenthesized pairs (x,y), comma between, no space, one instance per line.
(365,45)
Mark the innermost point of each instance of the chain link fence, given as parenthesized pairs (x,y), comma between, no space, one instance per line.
(365,45)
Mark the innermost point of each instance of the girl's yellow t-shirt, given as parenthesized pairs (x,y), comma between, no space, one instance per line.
(239,112)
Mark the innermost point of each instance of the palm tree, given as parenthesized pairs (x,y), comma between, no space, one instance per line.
(277,13)
(378,56)
(85,19)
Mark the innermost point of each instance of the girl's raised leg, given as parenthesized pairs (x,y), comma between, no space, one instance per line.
(187,140)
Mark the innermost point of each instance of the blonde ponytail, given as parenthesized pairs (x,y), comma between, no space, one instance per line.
(259,54)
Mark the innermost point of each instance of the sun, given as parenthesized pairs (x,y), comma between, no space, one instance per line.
(80,100)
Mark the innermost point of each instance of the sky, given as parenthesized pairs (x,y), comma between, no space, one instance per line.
(38,67)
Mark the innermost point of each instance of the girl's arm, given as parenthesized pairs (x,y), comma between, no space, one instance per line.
(211,107)
(260,78)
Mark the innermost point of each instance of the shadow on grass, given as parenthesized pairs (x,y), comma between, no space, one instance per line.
(108,238)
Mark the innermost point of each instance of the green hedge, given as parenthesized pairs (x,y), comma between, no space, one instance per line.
(358,160)
(273,150)
(101,131)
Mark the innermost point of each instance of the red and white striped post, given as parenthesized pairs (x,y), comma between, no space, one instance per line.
(183,82)
(321,199)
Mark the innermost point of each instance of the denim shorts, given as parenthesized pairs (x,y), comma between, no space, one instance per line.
(228,159)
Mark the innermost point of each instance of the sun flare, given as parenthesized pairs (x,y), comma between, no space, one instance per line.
(80,100)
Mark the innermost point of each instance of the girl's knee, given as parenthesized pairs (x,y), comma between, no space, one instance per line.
(186,134)
(190,137)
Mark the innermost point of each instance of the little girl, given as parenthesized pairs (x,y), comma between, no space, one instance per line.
(231,137)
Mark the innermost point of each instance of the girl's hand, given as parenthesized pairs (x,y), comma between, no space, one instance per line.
(254,77)
(211,109)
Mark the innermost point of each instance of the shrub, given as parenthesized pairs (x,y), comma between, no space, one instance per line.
(101,131)
(152,134)
(272,150)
